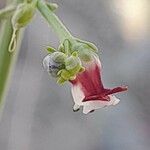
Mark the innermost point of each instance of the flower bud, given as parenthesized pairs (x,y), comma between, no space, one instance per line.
(72,62)
(58,57)
(72,67)
(51,66)
(23,15)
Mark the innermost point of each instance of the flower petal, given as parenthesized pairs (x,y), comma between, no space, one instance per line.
(77,94)
(93,105)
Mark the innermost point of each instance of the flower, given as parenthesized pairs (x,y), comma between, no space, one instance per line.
(88,90)
(80,65)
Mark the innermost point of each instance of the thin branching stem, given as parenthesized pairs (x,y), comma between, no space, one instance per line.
(7,59)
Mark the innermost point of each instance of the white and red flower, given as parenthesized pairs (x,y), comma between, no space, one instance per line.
(88,90)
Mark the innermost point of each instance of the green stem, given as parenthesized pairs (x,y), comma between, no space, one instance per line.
(6,58)
(54,22)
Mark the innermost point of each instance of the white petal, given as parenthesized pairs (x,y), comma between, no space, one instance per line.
(114,100)
(77,94)
(93,105)
(76,107)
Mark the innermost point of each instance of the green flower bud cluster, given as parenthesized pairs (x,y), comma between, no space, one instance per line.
(66,63)
(73,66)
(63,64)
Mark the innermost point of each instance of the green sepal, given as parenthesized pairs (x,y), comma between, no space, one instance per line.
(73,77)
(59,72)
(91,45)
(85,55)
(82,69)
(61,48)
(65,74)
(50,49)
(67,46)
(75,70)
(75,54)
(61,80)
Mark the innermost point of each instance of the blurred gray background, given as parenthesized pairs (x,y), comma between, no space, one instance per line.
(38,113)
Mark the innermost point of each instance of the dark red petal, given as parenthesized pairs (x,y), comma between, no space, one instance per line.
(96,78)
(91,84)
(97,98)
(90,81)
(115,90)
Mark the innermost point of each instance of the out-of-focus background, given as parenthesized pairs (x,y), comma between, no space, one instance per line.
(38,112)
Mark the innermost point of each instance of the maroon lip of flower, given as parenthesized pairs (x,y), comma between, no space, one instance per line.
(92,86)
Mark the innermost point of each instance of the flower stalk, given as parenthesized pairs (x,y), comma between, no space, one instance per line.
(58,27)
(6,58)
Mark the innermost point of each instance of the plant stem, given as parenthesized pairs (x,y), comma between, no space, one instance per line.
(6,58)
(54,22)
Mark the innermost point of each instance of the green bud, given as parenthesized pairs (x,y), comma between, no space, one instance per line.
(72,61)
(58,57)
(23,15)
